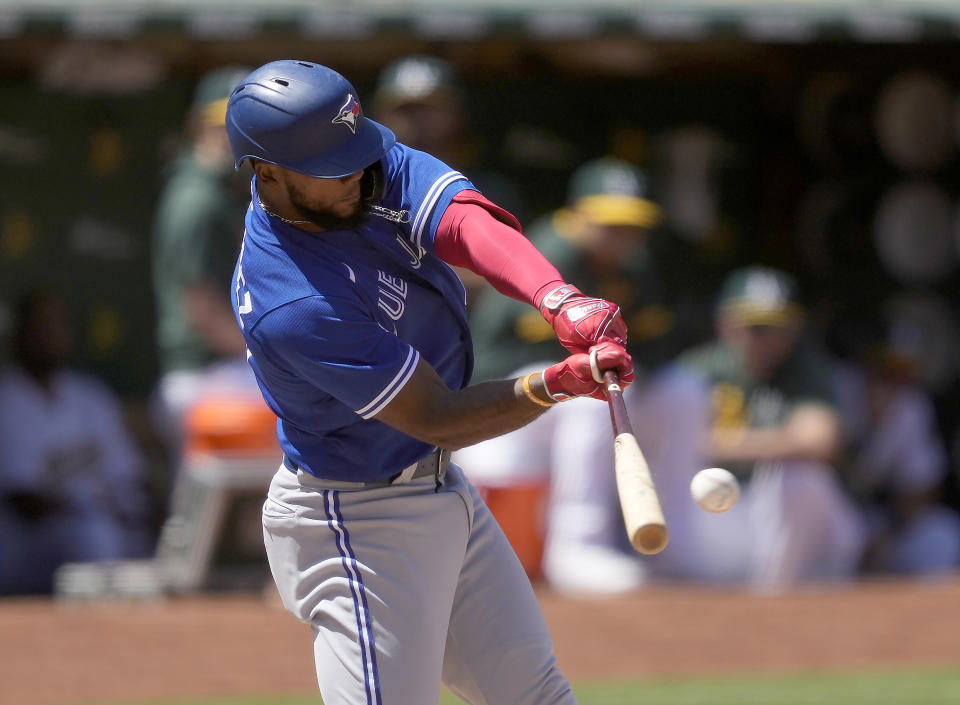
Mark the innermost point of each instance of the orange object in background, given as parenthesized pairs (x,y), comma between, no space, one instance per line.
(230,425)
(521,512)
(239,426)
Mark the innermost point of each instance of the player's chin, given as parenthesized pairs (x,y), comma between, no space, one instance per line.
(348,208)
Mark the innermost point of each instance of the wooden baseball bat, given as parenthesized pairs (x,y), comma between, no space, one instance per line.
(642,513)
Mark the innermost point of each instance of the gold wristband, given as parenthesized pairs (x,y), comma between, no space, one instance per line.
(529,392)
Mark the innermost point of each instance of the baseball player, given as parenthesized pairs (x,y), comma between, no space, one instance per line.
(894,462)
(775,424)
(356,330)
(71,478)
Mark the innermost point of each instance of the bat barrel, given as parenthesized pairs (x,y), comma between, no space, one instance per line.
(642,513)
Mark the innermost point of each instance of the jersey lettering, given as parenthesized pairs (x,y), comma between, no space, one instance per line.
(415,255)
(244,303)
(392,295)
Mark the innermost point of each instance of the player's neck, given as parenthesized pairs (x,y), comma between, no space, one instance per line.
(284,213)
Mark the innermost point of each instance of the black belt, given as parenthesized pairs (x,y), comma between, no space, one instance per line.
(436,464)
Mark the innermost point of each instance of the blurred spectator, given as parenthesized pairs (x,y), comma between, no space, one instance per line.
(598,242)
(197,234)
(895,460)
(421,100)
(72,486)
(775,425)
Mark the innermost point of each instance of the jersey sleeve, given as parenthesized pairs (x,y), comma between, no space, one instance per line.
(425,186)
(334,345)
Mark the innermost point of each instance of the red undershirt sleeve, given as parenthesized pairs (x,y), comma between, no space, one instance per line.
(478,235)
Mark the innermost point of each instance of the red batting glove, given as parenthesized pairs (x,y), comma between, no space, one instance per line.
(581,321)
(581,374)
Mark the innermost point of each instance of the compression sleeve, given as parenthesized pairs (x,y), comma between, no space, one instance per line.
(478,235)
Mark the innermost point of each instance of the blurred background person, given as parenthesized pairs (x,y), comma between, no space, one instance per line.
(775,424)
(197,234)
(894,459)
(597,240)
(420,98)
(72,483)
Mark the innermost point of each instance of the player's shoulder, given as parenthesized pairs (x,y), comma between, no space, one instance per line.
(809,360)
(87,385)
(706,356)
(417,171)
(403,156)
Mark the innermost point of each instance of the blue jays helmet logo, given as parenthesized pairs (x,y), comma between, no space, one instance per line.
(349,113)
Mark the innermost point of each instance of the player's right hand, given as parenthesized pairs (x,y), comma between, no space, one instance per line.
(581,374)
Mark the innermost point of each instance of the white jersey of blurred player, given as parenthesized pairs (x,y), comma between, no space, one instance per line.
(792,523)
(67,442)
(902,455)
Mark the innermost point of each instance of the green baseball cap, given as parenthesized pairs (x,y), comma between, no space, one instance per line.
(760,296)
(416,79)
(213,91)
(609,191)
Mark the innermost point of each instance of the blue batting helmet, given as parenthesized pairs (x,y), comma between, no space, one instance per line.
(305,117)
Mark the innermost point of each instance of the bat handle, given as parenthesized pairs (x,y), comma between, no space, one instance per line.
(618,410)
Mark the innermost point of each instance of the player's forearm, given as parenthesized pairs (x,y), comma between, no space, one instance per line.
(778,442)
(426,408)
(483,411)
(750,445)
(429,410)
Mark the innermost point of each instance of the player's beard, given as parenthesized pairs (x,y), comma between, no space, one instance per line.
(325,219)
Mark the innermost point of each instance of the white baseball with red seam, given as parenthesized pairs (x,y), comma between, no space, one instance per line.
(715,489)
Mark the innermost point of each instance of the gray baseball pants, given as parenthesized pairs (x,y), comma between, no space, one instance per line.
(406,587)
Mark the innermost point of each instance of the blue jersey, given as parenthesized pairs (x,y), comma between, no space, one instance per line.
(336,322)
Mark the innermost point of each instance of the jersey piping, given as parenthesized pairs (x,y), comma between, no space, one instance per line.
(393,388)
(430,202)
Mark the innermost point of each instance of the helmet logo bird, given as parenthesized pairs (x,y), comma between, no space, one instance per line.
(349,112)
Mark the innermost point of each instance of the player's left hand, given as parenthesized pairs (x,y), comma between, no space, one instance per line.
(581,321)
(581,374)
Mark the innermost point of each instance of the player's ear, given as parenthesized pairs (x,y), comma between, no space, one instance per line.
(266,172)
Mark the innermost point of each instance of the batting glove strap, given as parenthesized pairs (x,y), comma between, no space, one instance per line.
(594,368)
(554,299)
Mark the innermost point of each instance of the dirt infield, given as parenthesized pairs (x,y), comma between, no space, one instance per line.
(54,654)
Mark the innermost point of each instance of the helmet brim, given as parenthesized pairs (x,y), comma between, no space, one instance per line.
(371,141)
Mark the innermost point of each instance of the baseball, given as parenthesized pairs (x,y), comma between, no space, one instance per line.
(715,489)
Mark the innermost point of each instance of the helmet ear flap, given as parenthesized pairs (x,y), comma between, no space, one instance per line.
(371,184)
